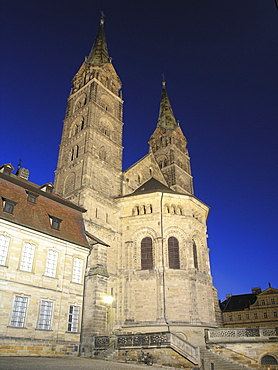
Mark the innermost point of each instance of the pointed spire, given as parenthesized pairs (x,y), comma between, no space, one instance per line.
(99,53)
(166,116)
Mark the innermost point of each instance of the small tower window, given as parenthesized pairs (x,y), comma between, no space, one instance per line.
(195,256)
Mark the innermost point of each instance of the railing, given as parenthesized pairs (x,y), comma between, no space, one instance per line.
(184,348)
(145,340)
(239,334)
(152,340)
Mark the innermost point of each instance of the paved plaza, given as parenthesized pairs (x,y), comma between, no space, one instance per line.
(66,363)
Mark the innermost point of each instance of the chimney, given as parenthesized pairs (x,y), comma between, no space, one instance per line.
(256,290)
(23,173)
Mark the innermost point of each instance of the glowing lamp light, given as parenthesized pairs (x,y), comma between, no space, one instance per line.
(108,299)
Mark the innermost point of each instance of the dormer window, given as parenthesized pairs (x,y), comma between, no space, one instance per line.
(31,197)
(55,223)
(48,188)
(8,206)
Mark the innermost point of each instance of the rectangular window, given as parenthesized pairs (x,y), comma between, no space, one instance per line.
(51,263)
(73,319)
(19,311)
(263,302)
(4,245)
(77,270)
(239,317)
(27,257)
(265,315)
(275,314)
(44,322)
(272,301)
(255,316)
(247,316)
(230,318)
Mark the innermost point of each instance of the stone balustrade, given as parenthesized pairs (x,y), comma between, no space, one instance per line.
(240,334)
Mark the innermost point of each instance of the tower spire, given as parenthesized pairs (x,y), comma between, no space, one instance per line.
(99,52)
(166,118)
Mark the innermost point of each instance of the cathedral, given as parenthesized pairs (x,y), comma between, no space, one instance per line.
(108,263)
(149,272)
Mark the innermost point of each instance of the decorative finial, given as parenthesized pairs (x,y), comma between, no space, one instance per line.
(18,166)
(163,80)
(102,17)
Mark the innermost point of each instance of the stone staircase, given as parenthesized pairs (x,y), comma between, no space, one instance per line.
(106,354)
(213,361)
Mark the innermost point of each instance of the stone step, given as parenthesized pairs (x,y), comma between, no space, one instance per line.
(213,361)
(106,354)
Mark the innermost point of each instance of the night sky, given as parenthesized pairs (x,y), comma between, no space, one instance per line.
(220,60)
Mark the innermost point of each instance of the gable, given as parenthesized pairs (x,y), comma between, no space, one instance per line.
(269,290)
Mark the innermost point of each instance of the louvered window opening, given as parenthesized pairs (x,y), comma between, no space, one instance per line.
(146,254)
(173,253)
(195,256)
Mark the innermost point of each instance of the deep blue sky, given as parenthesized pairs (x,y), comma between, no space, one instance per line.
(220,61)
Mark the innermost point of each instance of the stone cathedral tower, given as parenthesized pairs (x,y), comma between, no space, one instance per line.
(150,252)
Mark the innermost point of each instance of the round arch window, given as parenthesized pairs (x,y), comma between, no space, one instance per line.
(269,360)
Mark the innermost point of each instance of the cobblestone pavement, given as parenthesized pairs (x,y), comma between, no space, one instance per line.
(65,363)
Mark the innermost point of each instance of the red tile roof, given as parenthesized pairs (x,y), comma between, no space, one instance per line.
(36,216)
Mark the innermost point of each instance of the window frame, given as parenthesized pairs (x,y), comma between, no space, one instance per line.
(147,254)
(51,263)
(45,315)
(8,206)
(31,197)
(19,311)
(173,253)
(195,255)
(77,270)
(4,248)
(55,223)
(73,319)
(27,257)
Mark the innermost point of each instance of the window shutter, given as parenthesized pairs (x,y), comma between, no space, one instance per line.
(173,253)
(146,254)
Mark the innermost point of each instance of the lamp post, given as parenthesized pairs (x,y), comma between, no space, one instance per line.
(108,300)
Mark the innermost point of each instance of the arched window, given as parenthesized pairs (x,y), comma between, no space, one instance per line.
(70,183)
(102,154)
(269,360)
(173,253)
(195,256)
(146,254)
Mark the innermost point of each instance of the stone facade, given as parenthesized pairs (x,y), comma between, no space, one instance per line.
(41,270)
(260,309)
